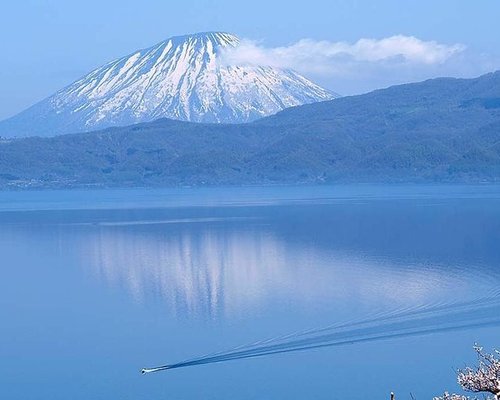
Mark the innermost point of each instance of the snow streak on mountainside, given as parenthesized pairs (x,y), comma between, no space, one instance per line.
(180,78)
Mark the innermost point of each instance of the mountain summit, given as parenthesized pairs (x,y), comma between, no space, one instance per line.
(180,78)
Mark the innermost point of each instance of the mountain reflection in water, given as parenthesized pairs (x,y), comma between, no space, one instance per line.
(220,267)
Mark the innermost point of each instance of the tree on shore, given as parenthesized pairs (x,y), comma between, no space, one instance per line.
(485,378)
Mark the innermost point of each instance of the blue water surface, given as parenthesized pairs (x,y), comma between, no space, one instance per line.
(96,285)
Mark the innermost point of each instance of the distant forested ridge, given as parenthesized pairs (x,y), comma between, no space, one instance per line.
(440,130)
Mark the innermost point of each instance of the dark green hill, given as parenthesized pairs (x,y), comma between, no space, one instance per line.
(441,130)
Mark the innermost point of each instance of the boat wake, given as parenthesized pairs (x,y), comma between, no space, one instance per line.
(383,326)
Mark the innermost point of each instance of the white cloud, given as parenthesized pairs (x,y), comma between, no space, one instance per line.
(306,52)
(367,63)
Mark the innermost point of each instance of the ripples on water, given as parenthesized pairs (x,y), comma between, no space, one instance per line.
(422,320)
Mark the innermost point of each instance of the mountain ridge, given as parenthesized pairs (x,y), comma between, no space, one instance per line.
(441,130)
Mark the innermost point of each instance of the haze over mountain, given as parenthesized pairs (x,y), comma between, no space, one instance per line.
(180,78)
(445,130)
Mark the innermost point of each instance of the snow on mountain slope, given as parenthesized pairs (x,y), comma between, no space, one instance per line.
(179,78)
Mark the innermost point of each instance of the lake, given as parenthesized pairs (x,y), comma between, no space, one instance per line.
(98,284)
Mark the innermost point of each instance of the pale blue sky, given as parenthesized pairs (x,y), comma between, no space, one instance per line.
(46,44)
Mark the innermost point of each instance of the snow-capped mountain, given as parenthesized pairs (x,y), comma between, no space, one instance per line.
(180,78)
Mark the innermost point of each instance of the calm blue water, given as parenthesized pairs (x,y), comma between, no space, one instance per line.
(98,284)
